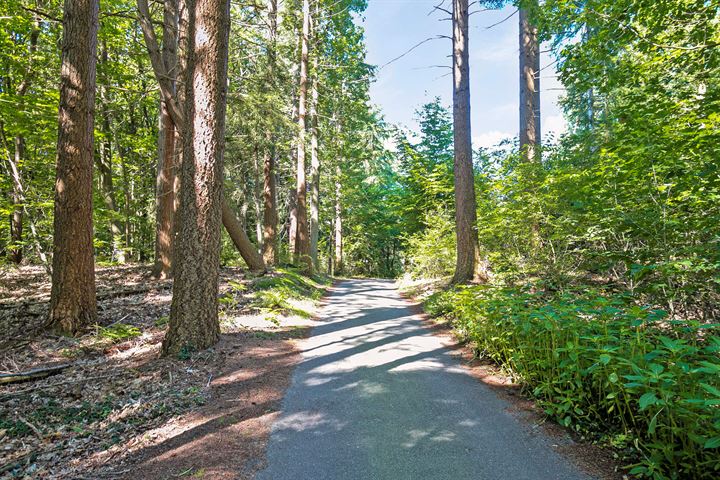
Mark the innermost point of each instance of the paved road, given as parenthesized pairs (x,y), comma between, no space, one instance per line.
(378,397)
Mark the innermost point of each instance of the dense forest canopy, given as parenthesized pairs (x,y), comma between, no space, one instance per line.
(255,143)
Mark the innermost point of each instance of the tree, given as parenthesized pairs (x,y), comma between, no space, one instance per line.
(468,265)
(530,133)
(270,215)
(104,158)
(180,119)
(240,239)
(301,253)
(73,304)
(314,157)
(18,194)
(165,184)
(314,168)
(194,311)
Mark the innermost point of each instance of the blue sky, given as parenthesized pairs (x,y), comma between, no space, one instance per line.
(394,26)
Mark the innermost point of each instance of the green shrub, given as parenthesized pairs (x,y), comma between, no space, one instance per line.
(119,332)
(603,365)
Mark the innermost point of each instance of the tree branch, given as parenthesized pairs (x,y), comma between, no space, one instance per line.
(158,66)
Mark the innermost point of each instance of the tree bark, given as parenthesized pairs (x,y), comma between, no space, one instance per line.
(16,219)
(73,304)
(314,169)
(240,239)
(270,214)
(257,198)
(194,321)
(18,194)
(105,170)
(165,182)
(339,265)
(175,103)
(127,198)
(302,241)
(292,217)
(468,261)
(530,139)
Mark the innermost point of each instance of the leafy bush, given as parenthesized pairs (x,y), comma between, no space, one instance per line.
(605,365)
(432,251)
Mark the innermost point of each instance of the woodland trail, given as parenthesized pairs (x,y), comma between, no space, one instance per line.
(378,396)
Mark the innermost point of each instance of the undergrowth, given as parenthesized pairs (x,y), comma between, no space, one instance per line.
(620,373)
(275,294)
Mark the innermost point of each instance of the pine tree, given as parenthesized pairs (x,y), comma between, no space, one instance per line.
(73,304)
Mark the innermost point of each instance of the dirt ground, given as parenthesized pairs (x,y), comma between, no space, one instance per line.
(119,410)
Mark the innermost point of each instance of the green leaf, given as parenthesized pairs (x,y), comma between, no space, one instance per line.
(710,389)
(648,399)
(712,442)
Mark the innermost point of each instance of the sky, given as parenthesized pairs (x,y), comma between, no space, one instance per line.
(392,27)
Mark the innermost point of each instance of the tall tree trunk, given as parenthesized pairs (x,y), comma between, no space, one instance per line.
(175,103)
(105,170)
(165,182)
(292,196)
(292,216)
(73,304)
(529,88)
(240,239)
(16,219)
(302,240)
(127,198)
(257,198)
(314,169)
(270,215)
(339,265)
(468,261)
(18,195)
(194,311)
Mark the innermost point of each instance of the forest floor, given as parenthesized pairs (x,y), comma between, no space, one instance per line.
(119,410)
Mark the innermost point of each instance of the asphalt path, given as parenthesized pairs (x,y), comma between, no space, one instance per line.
(378,396)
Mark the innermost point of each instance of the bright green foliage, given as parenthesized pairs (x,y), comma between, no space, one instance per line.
(373,223)
(126,97)
(351,133)
(118,332)
(432,250)
(600,363)
(274,294)
(616,231)
(426,167)
(260,121)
